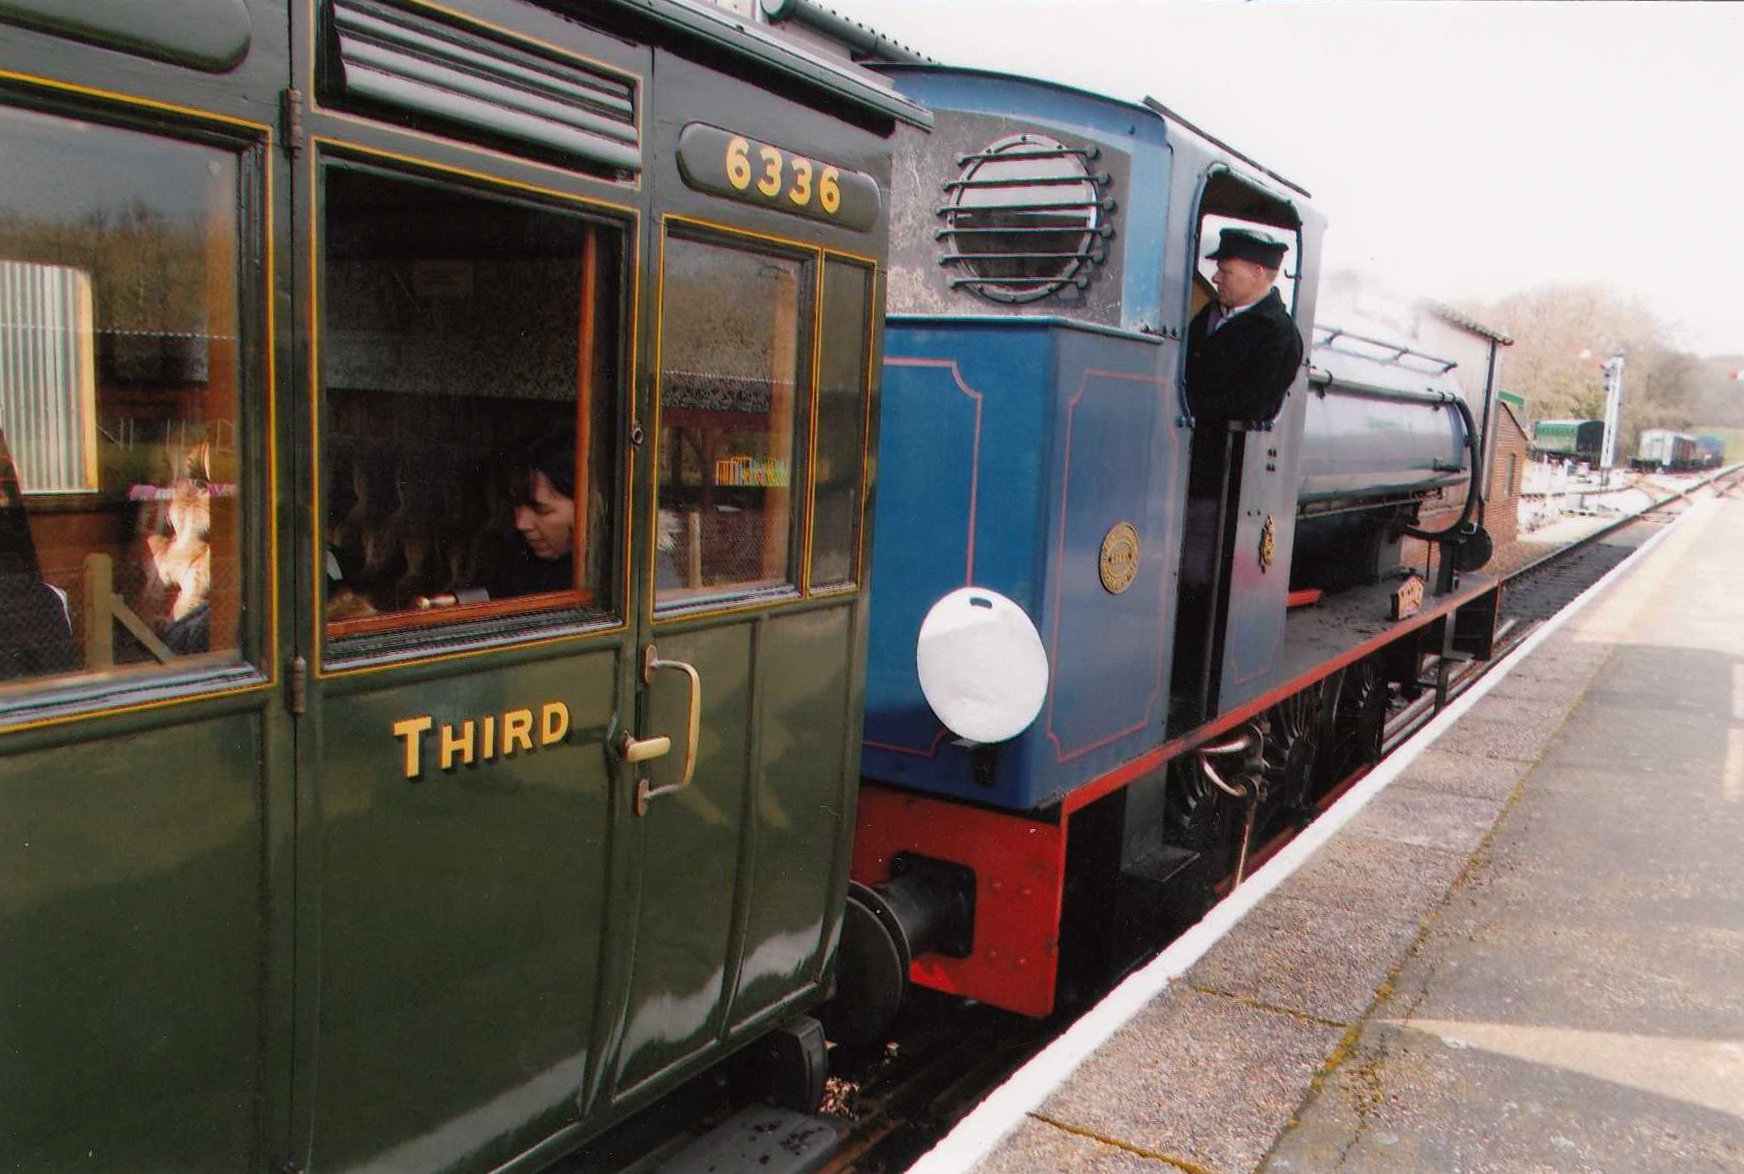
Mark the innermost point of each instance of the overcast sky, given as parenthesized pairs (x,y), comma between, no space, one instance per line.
(1458,150)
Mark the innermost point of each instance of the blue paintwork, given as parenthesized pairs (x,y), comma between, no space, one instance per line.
(1077,432)
(1062,455)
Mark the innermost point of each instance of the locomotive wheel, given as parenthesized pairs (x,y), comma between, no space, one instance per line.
(1357,721)
(1198,814)
(1295,732)
(1201,819)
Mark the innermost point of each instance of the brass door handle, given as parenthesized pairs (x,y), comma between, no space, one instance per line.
(634,750)
(652,664)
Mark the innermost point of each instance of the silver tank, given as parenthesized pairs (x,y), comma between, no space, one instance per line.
(1383,426)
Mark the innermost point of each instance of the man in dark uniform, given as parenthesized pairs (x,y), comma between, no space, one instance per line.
(1242,349)
(1243,352)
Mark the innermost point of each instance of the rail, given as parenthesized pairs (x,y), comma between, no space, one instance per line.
(1562,552)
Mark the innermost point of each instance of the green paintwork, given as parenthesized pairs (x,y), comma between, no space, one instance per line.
(803,802)
(236,938)
(208,35)
(131,940)
(689,851)
(460,915)
(737,878)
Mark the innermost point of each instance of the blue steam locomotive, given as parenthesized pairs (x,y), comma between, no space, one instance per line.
(1089,699)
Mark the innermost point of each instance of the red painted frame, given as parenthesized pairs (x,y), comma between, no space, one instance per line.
(1020,876)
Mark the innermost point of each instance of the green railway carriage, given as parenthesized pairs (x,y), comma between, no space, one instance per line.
(333,838)
(1577,439)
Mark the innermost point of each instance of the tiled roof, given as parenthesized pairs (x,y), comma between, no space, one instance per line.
(1448,314)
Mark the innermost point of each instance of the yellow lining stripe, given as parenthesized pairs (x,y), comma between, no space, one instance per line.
(817,337)
(272,427)
(868,374)
(873,324)
(139,707)
(419,162)
(135,100)
(815,254)
(819,255)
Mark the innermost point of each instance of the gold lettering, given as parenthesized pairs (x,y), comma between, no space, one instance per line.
(489,750)
(517,731)
(770,184)
(461,746)
(412,729)
(553,722)
(739,163)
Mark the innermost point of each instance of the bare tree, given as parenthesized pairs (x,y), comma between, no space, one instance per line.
(1564,333)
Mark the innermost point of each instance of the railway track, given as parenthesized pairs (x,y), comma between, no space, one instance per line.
(1541,589)
(945,1058)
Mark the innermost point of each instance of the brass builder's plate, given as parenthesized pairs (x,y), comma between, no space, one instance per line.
(1120,552)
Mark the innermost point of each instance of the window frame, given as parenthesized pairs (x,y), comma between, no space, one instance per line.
(251,662)
(412,636)
(868,352)
(810,258)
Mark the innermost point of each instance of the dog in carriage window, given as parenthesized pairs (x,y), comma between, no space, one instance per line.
(178,587)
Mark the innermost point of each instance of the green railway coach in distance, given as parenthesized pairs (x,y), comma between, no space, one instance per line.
(330,842)
(1579,440)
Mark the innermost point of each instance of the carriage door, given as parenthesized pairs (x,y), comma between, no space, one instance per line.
(749,647)
(471,644)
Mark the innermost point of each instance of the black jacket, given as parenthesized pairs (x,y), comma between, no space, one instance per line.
(1242,371)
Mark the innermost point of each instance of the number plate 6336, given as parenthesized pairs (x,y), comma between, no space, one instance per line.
(753,172)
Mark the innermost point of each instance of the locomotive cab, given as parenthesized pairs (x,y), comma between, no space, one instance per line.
(1220,513)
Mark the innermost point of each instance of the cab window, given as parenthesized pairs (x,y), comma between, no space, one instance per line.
(1212,225)
(123,468)
(469,362)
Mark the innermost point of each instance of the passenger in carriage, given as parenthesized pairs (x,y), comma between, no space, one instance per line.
(542,489)
(1243,349)
(177,533)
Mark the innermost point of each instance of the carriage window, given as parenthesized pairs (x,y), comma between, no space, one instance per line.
(841,421)
(120,372)
(467,356)
(729,390)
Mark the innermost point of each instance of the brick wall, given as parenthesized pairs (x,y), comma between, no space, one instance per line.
(1507,469)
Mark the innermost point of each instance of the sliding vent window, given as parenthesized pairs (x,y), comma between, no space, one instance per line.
(730,346)
(844,351)
(121,460)
(467,359)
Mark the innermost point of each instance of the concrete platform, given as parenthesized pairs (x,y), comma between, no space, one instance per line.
(1525,953)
